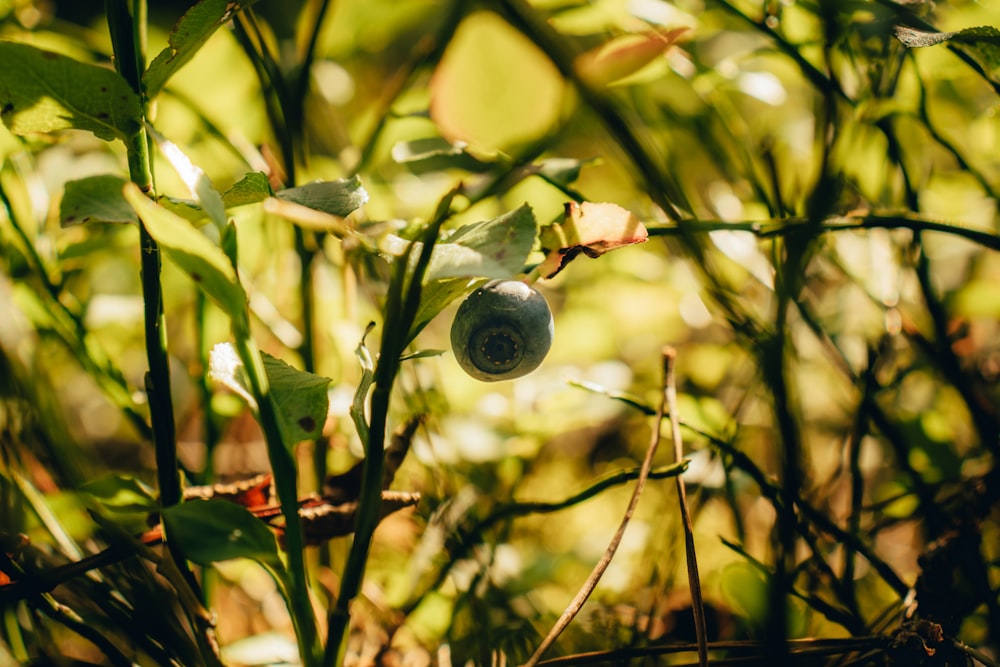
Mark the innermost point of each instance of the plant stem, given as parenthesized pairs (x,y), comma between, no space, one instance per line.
(127,36)
(283,468)
(402,303)
(694,579)
(576,604)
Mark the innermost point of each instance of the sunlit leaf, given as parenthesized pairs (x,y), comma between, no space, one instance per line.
(226,368)
(982,43)
(301,399)
(493,87)
(252,188)
(436,154)
(494,248)
(341,197)
(191,32)
(95,199)
(306,217)
(624,55)
(204,261)
(121,493)
(591,229)
(194,178)
(744,589)
(41,91)
(209,531)
(261,650)
(185,208)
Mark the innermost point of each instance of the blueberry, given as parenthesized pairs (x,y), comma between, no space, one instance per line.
(502,331)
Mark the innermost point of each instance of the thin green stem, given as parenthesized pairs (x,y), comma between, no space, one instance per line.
(576,604)
(796,225)
(127,39)
(285,476)
(460,545)
(402,303)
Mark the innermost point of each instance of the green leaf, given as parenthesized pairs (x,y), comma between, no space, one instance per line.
(95,199)
(494,88)
(744,588)
(209,531)
(436,154)
(188,36)
(435,297)
(358,413)
(495,248)
(300,398)
(185,208)
(41,91)
(423,354)
(192,251)
(340,197)
(121,493)
(562,171)
(198,184)
(252,188)
(981,43)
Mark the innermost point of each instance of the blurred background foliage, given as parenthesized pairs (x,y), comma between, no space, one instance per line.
(838,354)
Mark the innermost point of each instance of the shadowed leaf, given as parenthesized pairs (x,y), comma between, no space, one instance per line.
(95,199)
(41,91)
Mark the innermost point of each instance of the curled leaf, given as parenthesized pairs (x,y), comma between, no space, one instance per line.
(591,229)
(624,55)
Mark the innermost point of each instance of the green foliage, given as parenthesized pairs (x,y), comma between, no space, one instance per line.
(802,201)
(209,531)
(188,37)
(42,91)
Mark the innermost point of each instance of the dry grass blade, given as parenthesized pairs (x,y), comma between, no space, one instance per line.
(694,580)
(602,565)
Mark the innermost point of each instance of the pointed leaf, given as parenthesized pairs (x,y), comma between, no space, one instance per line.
(187,37)
(340,197)
(624,55)
(300,397)
(494,248)
(562,171)
(981,43)
(205,196)
(307,218)
(121,493)
(185,208)
(192,251)
(209,531)
(252,188)
(591,229)
(95,199)
(41,91)
(226,368)
(436,154)
(435,297)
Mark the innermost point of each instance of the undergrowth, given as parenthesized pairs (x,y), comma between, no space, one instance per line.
(232,238)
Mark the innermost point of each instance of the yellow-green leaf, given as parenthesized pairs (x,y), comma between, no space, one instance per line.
(191,250)
(493,87)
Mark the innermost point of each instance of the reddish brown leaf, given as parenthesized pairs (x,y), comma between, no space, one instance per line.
(591,229)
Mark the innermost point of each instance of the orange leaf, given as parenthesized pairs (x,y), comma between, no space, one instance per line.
(591,229)
(624,55)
